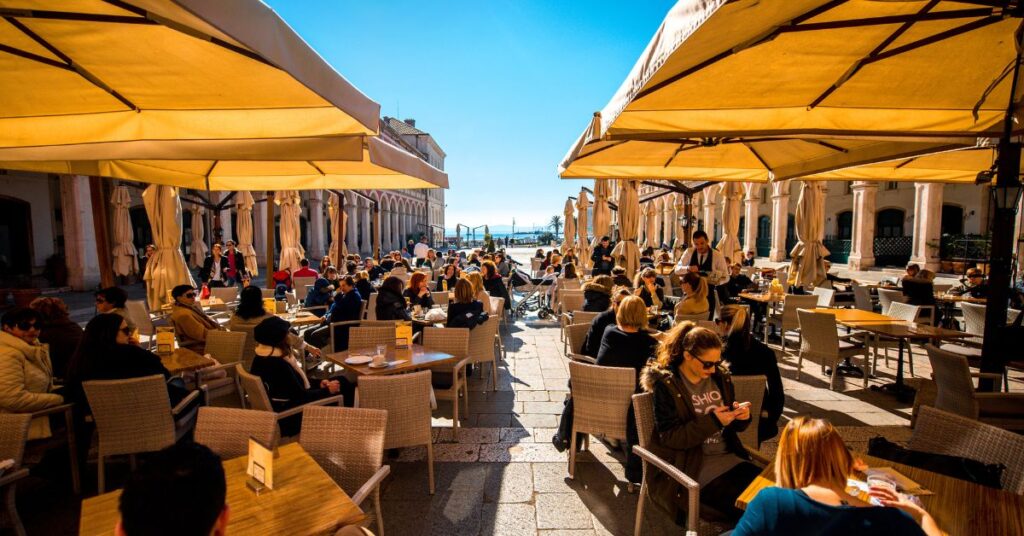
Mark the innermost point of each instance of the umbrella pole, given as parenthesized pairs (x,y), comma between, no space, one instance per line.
(99,225)
(270,240)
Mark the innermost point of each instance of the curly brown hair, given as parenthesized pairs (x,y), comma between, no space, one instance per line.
(51,308)
(686,337)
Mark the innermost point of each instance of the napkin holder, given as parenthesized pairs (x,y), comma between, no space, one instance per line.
(403,334)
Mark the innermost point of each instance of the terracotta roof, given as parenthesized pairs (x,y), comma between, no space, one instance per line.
(402,127)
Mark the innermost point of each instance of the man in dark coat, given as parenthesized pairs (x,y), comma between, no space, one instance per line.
(602,257)
(346,308)
(235,264)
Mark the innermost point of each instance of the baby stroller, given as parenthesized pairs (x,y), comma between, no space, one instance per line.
(533,291)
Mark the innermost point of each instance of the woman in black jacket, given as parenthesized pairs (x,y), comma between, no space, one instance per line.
(59,331)
(649,290)
(493,283)
(592,341)
(390,302)
(450,275)
(418,293)
(466,311)
(597,294)
(363,285)
(748,356)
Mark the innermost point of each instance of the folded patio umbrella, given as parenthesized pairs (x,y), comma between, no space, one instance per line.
(807,268)
(166,269)
(626,253)
(583,241)
(729,245)
(245,204)
(651,225)
(568,228)
(292,251)
(333,214)
(126,261)
(198,247)
(602,212)
(679,203)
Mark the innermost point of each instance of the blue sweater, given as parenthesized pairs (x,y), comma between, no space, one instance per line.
(793,513)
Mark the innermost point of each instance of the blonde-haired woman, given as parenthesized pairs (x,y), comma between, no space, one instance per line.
(696,419)
(811,468)
(695,296)
(476,279)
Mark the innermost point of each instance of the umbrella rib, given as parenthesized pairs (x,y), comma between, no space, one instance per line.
(757,156)
(892,19)
(69,63)
(824,143)
(317,168)
(953,32)
(34,57)
(72,16)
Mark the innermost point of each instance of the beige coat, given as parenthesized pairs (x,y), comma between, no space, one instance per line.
(190,327)
(26,378)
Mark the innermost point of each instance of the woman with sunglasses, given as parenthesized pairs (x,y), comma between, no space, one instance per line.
(26,375)
(696,418)
(190,323)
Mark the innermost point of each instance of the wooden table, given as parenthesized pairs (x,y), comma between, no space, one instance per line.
(184,360)
(301,319)
(763,297)
(950,298)
(959,507)
(415,357)
(304,501)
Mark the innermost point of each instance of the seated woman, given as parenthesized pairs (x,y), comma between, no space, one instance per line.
(26,375)
(250,313)
(446,281)
(476,281)
(809,496)
(648,290)
(748,356)
(493,283)
(114,300)
(363,286)
(466,311)
(592,341)
(597,294)
(695,296)
(647,258)
(390,301)
(323,290)
(190,323)
(58,331)
(417,293)
(619,277)
(474,259)
(287,385)
(696,418)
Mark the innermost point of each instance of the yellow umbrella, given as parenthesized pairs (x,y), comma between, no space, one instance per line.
(245,204)
(807,269)
(626,252)
(166,269)
(955,167)
(729,245)
(136,72)
(126,261)
(583,243)
(292,251)
(568,228)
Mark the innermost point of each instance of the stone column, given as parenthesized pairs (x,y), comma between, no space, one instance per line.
(351,232)
(780,220)
(225,217)
(385,230)
(366,247)
(750,201)
(79,238)
(316,224)
(259,228)
(927,225)
(395,228)
(710,202)
(862,243)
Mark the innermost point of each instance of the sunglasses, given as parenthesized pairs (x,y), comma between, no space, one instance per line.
(127,331)
(708,365)
(190,295)
(100,300)
(25,326)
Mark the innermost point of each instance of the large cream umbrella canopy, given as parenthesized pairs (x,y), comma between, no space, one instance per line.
(126,261)
(626,253)
(807,268)
(583,241)
(568,227)
(245,204)
(166,269)
(729,245)
(197,249)
(144,71)
(292,252)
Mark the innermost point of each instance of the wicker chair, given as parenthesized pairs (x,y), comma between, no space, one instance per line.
(821,342)
(228,295)
(13,435)
(601,398)
(354,465)
(61,441)
(301,284)
(570,300)
(887,297)
(862,297)
(450,382)
(955,392)
(576,334)
(940,432)
(568,318)
(440,298)
(481,347)
(268,292)
(751,389)
(371,307)
(227,347)
(568,284)
(498,311)
(362,338)
(406,398)
(254,396)
(135,416)
(899,311)
(332,345)
(227,430)
(643,408)
(140,316)
(787,320)
(695,317)
(826,296)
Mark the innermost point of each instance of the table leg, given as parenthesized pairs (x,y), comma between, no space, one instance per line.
(902,391)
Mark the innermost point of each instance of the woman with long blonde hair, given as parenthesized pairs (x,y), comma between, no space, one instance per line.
(812,466)
(476,279)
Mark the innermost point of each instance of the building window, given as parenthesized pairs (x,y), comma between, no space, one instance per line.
(844,225)
(764,195)
(892,185)
(848,188)
(889,223)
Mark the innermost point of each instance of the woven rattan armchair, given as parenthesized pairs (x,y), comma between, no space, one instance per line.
(575,316)
(940,432)
(143,321)
(899,311)
(332,345)
(227,430)
(643,408)
(601,397)
(568,301)
(886,297)
(228,348)
(228,295)
(439,298)
(498,311)
(481,347)
(750,389)
(362,338)
(821,342)
(134,416)
(576,334)
(406,398)
(826,296)
(955,392)
(301,285)
(862,297)
(354,465)
(450,382)
(787,320)
(254,396)
(13,435)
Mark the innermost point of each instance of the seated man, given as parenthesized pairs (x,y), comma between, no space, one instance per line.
(372,270)
(738,282)
(322,290)
(180,491)
(346,307)
(305,270)
(975,286)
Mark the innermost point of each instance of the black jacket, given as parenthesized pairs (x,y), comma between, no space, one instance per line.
(596,298)
(425,302)
(375,272)
(365,288)
(451,283)
(622,281)
(466,315)
(738,284)
(645,295)
(592,342)
(118,362)
(755,360)
(345,307)
(206,272)
(621,349)
(239,264)
(496,288)
(919,291)
(62,336)
(602,266)
(285,389)
(391,306)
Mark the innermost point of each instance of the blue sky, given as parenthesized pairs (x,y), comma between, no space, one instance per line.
(503,86)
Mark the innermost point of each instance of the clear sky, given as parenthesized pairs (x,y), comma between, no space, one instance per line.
(505,87)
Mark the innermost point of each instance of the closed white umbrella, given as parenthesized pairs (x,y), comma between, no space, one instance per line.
(290,230)
(651,234)
(602,212)
(125,260)
(568,227)
(333,213)
(245,205)
(198,250)
(166,269)
(808,266)
(729,245)
(583,245)
(629,217)
(679,204)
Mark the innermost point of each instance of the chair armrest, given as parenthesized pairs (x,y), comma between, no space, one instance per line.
(1007,397)
(186,401)
(692,488)
(370,485)
(230,368)
(13,476)
(63,408)
(989,375)
(757,456)
(582,358)
(336,399)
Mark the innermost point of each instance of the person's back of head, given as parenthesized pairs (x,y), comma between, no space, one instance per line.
(250,303)
(180,491)
(812,452)
(464,291)
(631,313)
(115,296)
(304,263)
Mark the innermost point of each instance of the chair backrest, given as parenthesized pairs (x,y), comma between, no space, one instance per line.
(695,317)
(440,298)
(601,397)
(140,316)
(249,349)
(887,296)
(406,397)
(862,297)
(708,324)
(300,285)
(751,389)
(584,317)
(361,338)
(939,432)
(941,288)
(498,307)
(953,383)
(568,284)
(225,294)
(974,318)
(481,341)
(227,430)
(577,333)
(378,324)
(13,435)
(454,341)
(268,292)
(570,300)
(826,296)
(132,415)
(291,298)
(371,307)
(535,264)
(643,409)
(252,391)
(794,302)
(227,346)
(327,435)
(904,311)
(819,339)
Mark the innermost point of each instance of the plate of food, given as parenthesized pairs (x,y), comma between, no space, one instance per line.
(358,360)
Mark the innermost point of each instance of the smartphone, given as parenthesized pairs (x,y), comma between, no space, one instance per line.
(743,405)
